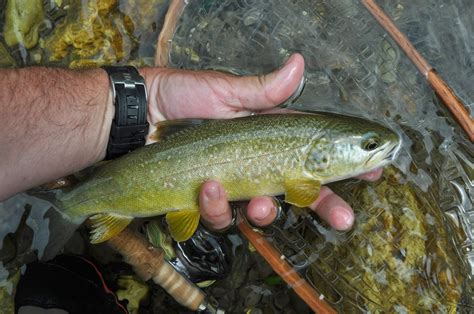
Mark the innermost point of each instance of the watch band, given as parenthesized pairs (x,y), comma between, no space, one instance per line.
(129,126)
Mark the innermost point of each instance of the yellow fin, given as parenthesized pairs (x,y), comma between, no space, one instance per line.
(182,224)
(106,226)
(302,193)
(205,284)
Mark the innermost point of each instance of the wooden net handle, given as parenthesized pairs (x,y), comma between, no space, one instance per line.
(163,45)
(304,290)
(442,89)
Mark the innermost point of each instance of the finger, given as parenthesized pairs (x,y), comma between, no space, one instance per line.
(215,210)
(374,175)
(333,209)
(261,211)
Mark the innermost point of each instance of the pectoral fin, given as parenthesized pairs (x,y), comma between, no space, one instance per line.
(182,224)
(106,226)
(302,193)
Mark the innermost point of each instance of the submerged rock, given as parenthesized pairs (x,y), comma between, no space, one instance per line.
(22,22)
(92,34)
(95,33)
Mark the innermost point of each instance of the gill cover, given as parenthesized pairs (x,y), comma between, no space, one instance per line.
(318,159)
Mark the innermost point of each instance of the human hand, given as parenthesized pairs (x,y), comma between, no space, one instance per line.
(176,94)
(262,210)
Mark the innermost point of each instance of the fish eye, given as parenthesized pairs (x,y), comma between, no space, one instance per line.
(371,143)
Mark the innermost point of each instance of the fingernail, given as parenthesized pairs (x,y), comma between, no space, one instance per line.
(213,192)
(299,90)
(346,218)
(291,57)
(263,212)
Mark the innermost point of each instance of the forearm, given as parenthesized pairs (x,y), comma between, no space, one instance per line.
(53,122)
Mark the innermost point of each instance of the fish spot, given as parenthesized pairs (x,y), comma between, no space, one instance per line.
(168,185)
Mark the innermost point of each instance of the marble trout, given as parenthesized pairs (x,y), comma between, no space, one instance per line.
(291,154)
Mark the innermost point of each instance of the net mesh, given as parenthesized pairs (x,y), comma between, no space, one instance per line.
(352,66)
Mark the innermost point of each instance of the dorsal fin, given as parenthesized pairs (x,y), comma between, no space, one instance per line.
(166,128)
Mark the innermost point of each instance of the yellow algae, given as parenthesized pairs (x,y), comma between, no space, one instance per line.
(91,36)
(23,19)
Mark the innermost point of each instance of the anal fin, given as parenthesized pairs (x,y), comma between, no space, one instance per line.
(301,193)
(182,224)
(106,226)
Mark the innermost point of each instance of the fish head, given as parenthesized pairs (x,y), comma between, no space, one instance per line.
(351,147)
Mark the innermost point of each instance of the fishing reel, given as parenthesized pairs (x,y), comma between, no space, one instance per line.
(203,259)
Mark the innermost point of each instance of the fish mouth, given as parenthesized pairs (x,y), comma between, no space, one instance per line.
(394,151)
(387,153)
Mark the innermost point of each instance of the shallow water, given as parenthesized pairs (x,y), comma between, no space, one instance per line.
(352,66)
(79,34)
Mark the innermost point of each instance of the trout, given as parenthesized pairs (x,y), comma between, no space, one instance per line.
(291,154)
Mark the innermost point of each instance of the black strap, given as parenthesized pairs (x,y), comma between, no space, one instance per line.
(129,126)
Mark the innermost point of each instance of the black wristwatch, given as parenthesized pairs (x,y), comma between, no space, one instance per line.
(129,126)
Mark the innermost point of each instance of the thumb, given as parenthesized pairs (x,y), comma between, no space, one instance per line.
(267,91)
(175,94)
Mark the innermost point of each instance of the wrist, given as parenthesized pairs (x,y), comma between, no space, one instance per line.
(129,125)
(152,78)
(107,116)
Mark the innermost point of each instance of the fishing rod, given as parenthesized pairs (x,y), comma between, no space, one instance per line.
(441,88)
(149,263)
